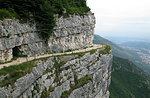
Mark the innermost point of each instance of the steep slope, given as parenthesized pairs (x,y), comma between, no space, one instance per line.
(73,32)
(124,52)
(128,81)
(77,75)
(33,28)
(141,51)
(116,50)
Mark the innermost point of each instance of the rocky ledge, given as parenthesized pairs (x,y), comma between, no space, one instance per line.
(22,38)
(77,75)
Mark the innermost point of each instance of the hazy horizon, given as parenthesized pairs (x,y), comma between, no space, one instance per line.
(117,18)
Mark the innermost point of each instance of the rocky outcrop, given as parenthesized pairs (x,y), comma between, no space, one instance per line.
(79,75)
(70,33)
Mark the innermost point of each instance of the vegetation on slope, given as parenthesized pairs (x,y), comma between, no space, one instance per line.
(142,47)
(116,50)
(128,81)
(6,14)
(124,52)
(78,83)
(106,50)
(15,72)
(41,11)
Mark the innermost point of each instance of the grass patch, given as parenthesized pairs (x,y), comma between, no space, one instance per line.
(58,70)
(6,14)
(57,80)
(93,51)
(58,65)
(79,83)
(15,72)
(69,50)
(46,93)
(49,70)
(106,50)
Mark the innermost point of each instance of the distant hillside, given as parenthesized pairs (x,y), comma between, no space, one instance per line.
(141,52)
(137,44)
(125,52)
(128,81)
(117,51)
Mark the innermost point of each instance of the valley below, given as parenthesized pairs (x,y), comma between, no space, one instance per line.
(144,54)
(129,78)
(135,49)
(140,51)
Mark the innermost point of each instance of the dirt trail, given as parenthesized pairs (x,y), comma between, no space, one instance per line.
(22,60)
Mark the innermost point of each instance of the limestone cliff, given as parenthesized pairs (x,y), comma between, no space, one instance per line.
(82,74)
(78,75)
(70,33)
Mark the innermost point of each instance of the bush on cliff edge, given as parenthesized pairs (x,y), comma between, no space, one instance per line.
(42,11)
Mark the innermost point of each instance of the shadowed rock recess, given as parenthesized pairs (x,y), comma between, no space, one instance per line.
(77,75)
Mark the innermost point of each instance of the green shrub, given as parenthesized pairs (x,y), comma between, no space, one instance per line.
(69,50)
(46,93)
(15,72)
(6,14)
(106,50)
(42,11)
(93,51)
(78,83)
(82,81)
(65,94)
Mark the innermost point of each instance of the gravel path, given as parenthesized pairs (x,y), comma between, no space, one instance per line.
(22,60)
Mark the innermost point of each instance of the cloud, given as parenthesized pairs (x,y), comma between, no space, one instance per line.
(121,8)
(121,16)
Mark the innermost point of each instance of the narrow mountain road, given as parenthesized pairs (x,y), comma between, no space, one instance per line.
(22,60)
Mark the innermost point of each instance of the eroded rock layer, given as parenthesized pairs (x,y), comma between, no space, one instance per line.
(80,75)
(70,33)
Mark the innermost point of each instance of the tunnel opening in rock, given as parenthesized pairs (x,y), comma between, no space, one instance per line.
(16,52)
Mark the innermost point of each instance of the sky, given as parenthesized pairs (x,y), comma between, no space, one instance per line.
(121,18)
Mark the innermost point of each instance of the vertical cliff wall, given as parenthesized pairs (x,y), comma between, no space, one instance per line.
(78,75)
(70,33)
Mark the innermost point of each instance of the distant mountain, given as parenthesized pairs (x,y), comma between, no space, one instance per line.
(128,81)
(141,52)
(137,44)
(125,51)
(117,51)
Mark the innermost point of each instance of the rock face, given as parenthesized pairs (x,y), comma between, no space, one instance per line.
(70,33)
(77,75)
(82,75)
